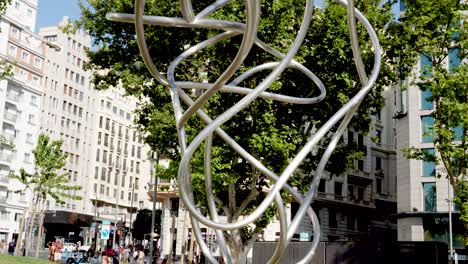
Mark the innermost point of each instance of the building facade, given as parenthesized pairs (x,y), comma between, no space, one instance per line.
(20,108)
(423,198)
(106,156)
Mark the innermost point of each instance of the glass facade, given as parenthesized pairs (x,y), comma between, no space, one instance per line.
(426,65)
(426,104)
(428,169)
(454,59)
(427,122)
(430,196)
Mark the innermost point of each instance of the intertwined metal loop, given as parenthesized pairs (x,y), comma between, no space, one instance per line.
(223,84)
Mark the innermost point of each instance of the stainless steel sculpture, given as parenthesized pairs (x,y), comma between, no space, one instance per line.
(223,84)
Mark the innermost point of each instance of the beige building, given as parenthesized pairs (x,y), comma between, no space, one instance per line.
(106,157)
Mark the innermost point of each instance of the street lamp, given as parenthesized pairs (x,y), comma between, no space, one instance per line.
(154,182)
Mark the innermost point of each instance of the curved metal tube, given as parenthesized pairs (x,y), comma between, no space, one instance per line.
(224,84)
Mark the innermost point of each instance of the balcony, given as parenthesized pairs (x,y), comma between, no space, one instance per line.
(11,116)
(13,96)
(6,157)
(4,180)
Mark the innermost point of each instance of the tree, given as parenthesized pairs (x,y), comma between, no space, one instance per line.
(436,33)
(142,223)
(5,68)
(270,130)
(45,182)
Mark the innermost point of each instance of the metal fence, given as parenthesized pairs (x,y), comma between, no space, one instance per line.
(357,253)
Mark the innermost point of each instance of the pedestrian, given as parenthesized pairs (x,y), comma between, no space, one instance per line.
(58,251)
(51,245)
(11,247)
(2,246)
(104,259)
(141,256)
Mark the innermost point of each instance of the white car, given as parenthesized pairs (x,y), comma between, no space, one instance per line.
(84,248)
(69,247)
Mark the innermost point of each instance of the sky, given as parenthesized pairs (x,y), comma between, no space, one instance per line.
(51,12)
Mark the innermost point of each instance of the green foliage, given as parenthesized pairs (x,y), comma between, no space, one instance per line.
(47,181)
(271,131)
(437,28)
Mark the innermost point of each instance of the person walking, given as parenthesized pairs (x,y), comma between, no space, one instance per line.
(11,247)
(58,251)
(51,246)
(141,256)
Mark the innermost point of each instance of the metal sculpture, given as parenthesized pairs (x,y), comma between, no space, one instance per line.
(222,84)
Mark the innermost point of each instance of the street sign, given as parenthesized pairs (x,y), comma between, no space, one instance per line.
(105,232)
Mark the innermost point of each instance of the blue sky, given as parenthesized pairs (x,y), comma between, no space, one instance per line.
(51,12)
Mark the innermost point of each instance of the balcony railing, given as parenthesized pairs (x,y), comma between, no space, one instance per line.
(4,180)
(10,116)
(6,156)
(13,96)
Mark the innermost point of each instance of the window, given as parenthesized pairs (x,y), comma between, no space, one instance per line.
(33,100)
(114,109)
(137,167)
(378,136)
(128,116)
(426,65)
(17,5)
(95,188)
(97,154)
(378,187)
(360,142)
(25,56)
(12,50)
(458,133)
(103,174)
(14,32)
(100,121)
(29,12)
(129,196)
(332,223)
(360,165)
(426,102)
(135,197)
(429,166)
(427,122)
(37,62)
(338,189)
(360,193)
(321,187)
(350,222)
(104,156)
(378,163)
(430,196)
(101,189)
(454,59)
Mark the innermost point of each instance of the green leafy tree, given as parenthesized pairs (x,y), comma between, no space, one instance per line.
(272,131)
(5,68)
(436,31)
(47,181)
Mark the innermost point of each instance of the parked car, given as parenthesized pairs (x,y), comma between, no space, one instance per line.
(69,247)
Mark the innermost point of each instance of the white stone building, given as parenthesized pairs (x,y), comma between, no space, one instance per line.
(20,107)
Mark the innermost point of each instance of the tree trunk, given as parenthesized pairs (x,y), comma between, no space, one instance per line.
(20,232)
(171,240)
(39,232)
(236,248)
(29,235)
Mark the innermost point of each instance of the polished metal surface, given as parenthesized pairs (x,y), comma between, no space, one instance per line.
(224,83)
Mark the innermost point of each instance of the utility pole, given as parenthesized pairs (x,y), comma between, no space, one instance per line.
(131,212)
(154,181)
(450,223)
(116,208)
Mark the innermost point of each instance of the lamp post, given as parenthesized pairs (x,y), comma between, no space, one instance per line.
(450,223)
(154,183)
(131,211)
